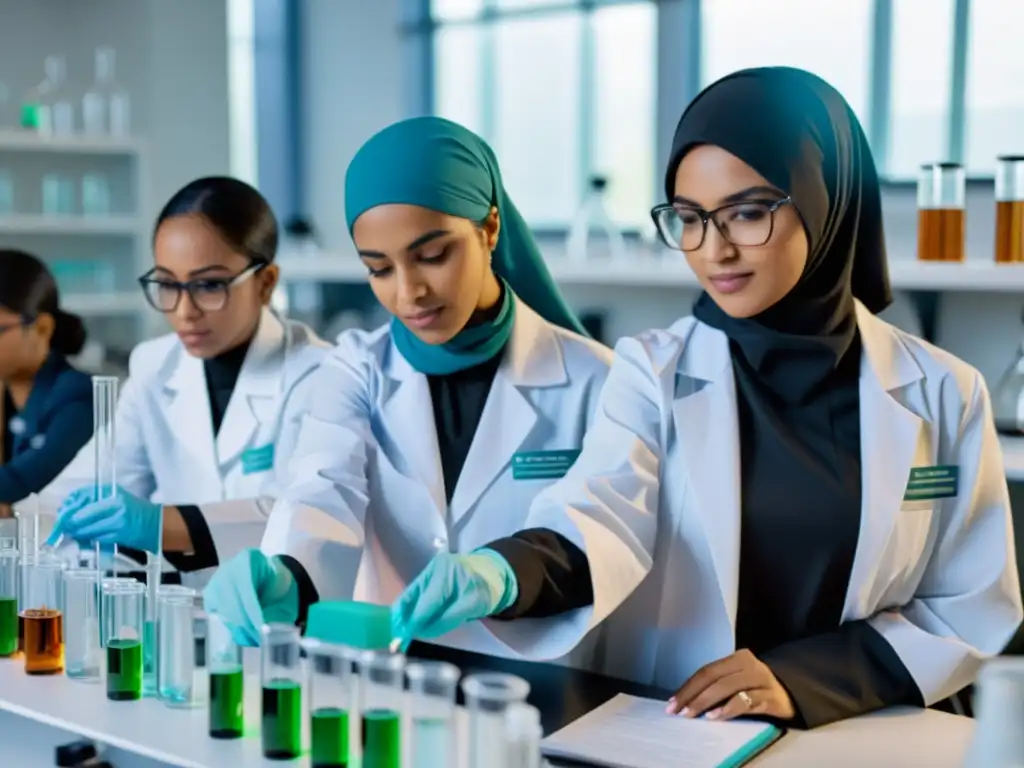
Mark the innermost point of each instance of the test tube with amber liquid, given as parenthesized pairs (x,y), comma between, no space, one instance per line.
(941,215)
(1010,209)
(42,620)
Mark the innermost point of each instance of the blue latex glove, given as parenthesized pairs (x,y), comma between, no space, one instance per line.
(251,590)
(451,591)
(120,518)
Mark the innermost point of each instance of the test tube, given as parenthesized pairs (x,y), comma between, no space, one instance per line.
(330,688)
(381,689)
(104,407)
(281,721)
(1010,209)
(488,696)
(227,680)
(8,599)
(432,685)
(123,608)
(82,651)
(176,647)
(41,617)
(523,734)
(150,643)
(941,204)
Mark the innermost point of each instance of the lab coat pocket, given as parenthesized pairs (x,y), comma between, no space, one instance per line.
(910,547)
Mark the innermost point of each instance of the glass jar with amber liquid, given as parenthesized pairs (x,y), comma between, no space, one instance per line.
(941,203)
(1010,209)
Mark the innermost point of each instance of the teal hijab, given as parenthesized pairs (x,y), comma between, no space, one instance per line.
(437,164)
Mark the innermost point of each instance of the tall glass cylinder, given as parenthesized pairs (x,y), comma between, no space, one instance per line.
(432,685)
(123,611)
(282,692)
(381,689)
(1010,209)
(83,654)
(150,644)
(488,697)
(176,647)
(41,615)
(8,599)
(941,215)
(104,408)
(227,680)
(330,689)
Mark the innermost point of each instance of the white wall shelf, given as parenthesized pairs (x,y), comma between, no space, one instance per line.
(28,141)
(105,304)
(43,224)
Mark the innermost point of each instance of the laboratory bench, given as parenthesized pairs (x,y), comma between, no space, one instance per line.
(39,713)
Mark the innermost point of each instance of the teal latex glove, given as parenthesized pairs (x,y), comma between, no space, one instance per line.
(451,591)
(251,590)
(119,518)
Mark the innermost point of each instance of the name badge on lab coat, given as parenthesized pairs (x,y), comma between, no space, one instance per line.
(258,459)
(928,483)
(542,465)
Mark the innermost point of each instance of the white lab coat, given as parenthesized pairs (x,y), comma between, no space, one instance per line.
(654,502)
(166,450)
(365,508)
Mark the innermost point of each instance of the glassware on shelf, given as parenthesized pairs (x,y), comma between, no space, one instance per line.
(1008,399)
(1010,209)
(106,108)
(95,195)
(58,195)
(593,232)
(6,192)
(47,107)
(5,106)
(941,203)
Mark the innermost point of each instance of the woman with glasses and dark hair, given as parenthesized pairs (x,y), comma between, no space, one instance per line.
(786,506)
(45,404)
(209,413)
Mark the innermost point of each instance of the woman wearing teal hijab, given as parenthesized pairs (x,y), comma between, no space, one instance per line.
(433,433)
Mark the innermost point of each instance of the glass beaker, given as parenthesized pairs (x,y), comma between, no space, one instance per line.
(593,232)
(998,740)
(123,612)
(1010,209)
(330,688)
(941,203)
(227,680)
(106,106)
(281,718)
(41,615)
(176,663)
(432,685)
(8,600)
(83,655)
(488,696)
(381,688)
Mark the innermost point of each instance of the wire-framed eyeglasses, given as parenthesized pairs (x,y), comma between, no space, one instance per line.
(208,294)
(749,223)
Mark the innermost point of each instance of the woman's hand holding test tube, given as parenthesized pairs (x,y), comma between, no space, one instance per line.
(113,516)
(251,590)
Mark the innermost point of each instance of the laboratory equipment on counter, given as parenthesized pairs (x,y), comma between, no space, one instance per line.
(432,686)
(998,740)
(593,233)
(381,692)
(8,599)
(122,613)
(523,733)
(176,662)
(488,696)
(46,107)
(227,680)
(154,566)
(41,615)
(1010,209)
(106,108)
(330,690)
(83,654)
(281,719)
(1008,397)
(941,214)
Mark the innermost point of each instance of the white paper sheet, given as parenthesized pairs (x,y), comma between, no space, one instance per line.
(630,732)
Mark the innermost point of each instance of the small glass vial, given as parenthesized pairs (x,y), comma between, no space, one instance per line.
(941,215)
(176,663)
(41,615)
(281,722)
(330,688)
(227,680)
(123,623)
(488,696)
(1010,209)
(432,685)
(83,654)
(106,107)
(8,599)
(381,689)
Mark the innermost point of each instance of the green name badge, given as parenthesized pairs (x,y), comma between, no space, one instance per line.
(928,483)
(542,465)
(258,459)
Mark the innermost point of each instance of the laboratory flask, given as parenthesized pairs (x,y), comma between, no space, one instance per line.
(941,203)
(1010,209)
(1008,398)
(998,740)
(593,234)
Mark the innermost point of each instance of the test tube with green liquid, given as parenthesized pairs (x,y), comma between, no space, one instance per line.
(330,688)
(227,680)
(381,689)
(8,600)
(123,620)
(281,721)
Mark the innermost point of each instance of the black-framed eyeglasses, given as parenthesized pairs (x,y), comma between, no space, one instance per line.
(749,223)
(208,294)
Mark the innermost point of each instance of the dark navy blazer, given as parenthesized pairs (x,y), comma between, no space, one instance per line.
(48,432)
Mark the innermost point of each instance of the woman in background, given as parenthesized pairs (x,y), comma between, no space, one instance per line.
(46,409)
(209,414)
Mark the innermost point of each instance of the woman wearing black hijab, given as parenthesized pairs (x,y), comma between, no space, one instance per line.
(792,508)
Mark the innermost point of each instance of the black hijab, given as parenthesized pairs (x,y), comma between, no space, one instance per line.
(800,134)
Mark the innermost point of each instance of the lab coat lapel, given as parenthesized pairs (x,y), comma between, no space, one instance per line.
(188,415)
(704,412)
(260,380)
(532,358)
